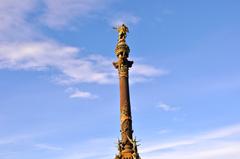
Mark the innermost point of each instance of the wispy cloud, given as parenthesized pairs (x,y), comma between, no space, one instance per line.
(18,23)
(217,150)
(220,143)
(44,55)
(23,46)
(13,15)
(209,145)
(223,132)
(93,148)
(163,131)
(82,94)
(147,70)
(48,147)
(167,108)
(63,12)
(17,144)
(48,54)
(15,138)
(143,72)
(124,18)
(22,138)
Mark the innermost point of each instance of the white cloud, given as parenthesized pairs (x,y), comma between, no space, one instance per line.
(143,72)
(13,15)
(167,108)
(21,20)
(62,12)
(147,70)
(43,55)
(24,47)
(72,68)
(218,144)
(223,145)
(224,132)
(82,94)
(224,150)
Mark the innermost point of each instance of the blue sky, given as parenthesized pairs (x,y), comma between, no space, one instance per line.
(59,95)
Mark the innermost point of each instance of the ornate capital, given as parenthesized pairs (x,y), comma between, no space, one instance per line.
(123,65)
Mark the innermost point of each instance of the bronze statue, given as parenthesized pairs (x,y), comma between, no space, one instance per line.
(122,32)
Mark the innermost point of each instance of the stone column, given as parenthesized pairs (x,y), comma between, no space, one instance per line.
(127,145)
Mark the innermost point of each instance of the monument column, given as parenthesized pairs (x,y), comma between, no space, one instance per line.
(127,146)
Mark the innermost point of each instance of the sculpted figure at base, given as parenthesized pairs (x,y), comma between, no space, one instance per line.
(134,148)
